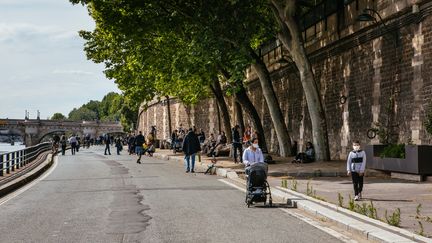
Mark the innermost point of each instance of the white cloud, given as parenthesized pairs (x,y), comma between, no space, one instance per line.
(17,32)
(73,72)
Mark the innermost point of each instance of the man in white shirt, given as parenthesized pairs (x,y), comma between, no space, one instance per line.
(356,164)
(253,156)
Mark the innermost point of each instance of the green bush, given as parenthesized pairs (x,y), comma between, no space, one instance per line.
(393,151)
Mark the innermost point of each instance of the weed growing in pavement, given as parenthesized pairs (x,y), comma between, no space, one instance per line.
(284,183)
(372,211)
(394,219)
(294,185)
(428,219)
(340,199)
(351,204)
(421,231)
(363,209)
(309,191)
(418,208)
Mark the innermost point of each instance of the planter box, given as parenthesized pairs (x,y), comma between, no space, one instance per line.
(418,160)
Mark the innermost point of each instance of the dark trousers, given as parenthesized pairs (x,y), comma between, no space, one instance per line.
(357,182)
(73,147)
(63,149)
(239,147)
(107,147)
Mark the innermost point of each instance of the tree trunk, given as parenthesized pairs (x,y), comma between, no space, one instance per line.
(290,37)
(217,91)
(243,99)
(169,115)
(239,116)
(273,105)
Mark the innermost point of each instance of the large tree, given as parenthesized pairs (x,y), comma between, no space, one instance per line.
(286,13)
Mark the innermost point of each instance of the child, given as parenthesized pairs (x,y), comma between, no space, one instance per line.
(356,164)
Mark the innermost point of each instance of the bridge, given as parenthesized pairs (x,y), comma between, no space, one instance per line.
(34,130)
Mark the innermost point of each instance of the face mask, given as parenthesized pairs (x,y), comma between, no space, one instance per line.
(356,147)
(255,145)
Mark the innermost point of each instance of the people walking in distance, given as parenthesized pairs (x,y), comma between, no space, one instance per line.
(174,138)
(63,144)
(78,143)
(119,145)
(55,143)
(356,165)
(191,146)
(237,144)
(73,144)
(307,156)
(247,135)
(139,142)
(131,144)
(107,144)
(253,155)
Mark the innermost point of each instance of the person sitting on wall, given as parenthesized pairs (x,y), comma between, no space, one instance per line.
(214,151)
(307,156)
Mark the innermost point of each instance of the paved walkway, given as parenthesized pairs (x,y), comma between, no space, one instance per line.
(385,193)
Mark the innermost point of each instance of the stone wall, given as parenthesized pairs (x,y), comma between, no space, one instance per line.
(381,79)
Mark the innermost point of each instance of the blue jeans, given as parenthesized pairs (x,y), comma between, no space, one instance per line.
(187,162)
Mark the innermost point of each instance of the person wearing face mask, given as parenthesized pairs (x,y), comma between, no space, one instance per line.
(356,164)
(253,156)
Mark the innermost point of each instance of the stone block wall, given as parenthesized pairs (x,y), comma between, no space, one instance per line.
(372,74)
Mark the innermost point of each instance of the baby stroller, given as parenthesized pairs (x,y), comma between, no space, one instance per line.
(257,187)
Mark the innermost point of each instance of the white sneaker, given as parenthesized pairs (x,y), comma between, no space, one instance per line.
(360,195)
(356,198)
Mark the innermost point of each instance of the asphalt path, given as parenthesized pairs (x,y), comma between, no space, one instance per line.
(91,197)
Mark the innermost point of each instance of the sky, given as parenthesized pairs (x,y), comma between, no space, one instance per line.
(42,63)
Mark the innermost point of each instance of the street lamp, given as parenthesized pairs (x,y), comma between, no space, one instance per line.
(365,16)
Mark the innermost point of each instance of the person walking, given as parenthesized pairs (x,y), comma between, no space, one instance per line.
(139,142)
(253,155)
(107,144)
(63,143)
(119,145)
(356,164)
(131,143)
(191,146)
(73,142)
(237,144)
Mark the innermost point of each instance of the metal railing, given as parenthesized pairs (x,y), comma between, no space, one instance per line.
(12,161)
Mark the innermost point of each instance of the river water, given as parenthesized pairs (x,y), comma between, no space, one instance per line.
(7,147)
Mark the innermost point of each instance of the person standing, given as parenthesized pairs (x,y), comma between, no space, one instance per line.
(73,142)
(237,144)
(139,142)
(107,144)
(356,164)
(191,146)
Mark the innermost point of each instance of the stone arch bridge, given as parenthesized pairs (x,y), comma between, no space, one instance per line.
(33,131)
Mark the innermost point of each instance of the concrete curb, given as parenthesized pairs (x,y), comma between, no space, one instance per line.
(301,197)
(27,177)
(371,229)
